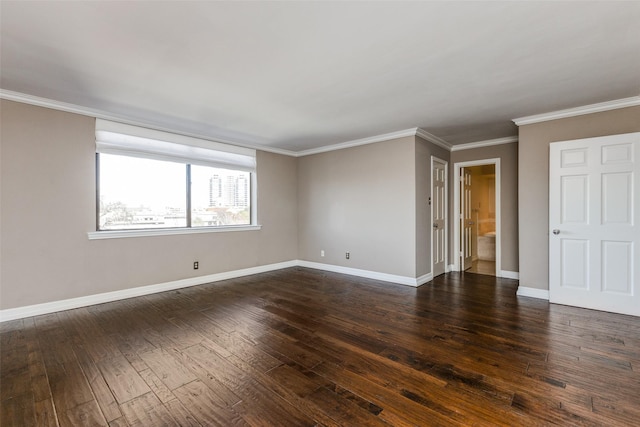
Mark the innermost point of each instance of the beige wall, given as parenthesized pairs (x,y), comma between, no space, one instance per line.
(508,155)
(48,206)
(370,200)
(361,200)
(534,180)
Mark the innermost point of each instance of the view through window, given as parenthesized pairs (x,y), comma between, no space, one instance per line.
(139,193)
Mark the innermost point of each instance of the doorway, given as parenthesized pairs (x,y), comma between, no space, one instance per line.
(477,224)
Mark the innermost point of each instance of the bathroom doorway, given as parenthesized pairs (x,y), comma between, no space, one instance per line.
(477,229)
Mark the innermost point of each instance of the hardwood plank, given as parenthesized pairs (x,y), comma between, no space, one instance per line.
(85,414)
(123,380)
(120,422)
(219,368)
(183,417)
(170,371)
(396,409)
(293,381)
(45,413)
(69,387)
(206,406)
(212,380)
(344,411)
(147,410)
(18,411)
(157,386)
(105,399)
(285,392)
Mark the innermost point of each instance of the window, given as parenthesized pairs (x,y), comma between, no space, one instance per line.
(148,179)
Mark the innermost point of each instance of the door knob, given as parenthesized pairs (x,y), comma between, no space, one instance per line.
(435,225)
(556,231)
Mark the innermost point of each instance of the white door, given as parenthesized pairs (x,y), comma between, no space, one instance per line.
(594,223)
(466,220)
(438,215)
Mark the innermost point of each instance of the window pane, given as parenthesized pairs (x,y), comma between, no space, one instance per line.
(219,197)
(141,193)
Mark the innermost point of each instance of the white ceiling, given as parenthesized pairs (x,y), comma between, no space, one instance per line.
(302,75)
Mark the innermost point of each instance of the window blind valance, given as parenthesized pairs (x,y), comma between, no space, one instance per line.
(128,140)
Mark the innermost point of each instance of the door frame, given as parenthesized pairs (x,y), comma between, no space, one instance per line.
(446,212)
(456,211)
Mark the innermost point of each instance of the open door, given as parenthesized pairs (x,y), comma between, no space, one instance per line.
(466,220)
(467,229)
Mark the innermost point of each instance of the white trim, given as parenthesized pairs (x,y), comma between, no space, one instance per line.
(425,278)
(433,139)
(101,114)
(578,111)
(456,209)
(402,280)
(486,143)
(119,234)
(378,138)
(358,142)
(435,159)
(533,293)
(510,274)
(68,304)
(451,267)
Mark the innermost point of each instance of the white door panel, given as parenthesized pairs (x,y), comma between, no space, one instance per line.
(593,219)
(439,216)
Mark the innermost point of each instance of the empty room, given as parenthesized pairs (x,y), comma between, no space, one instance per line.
(400,213)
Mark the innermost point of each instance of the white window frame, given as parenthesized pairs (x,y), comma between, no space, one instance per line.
(134,141)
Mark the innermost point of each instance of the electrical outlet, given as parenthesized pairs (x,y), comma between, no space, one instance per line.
(195,265)
(322,252)
(348,255)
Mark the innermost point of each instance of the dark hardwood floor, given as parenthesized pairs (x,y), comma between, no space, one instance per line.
(301,347)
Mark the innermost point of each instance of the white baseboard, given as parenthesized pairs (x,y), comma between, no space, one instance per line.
(402,280)
(68,304)
(424,279)
(533,293)
(510,274)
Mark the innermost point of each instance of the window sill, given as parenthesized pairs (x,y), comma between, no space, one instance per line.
(121,234)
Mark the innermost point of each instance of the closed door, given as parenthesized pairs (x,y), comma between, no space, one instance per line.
(593,219)
(439,215)
(466,219)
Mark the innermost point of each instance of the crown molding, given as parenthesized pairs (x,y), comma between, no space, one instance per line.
(486,143)
(378,138)
(433,139)
(101,114)
(579,111)
(358,142)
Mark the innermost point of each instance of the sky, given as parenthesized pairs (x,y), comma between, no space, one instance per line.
(152,183)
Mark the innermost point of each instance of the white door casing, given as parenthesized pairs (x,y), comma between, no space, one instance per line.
(593,223)
(438,216)
(457,229)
